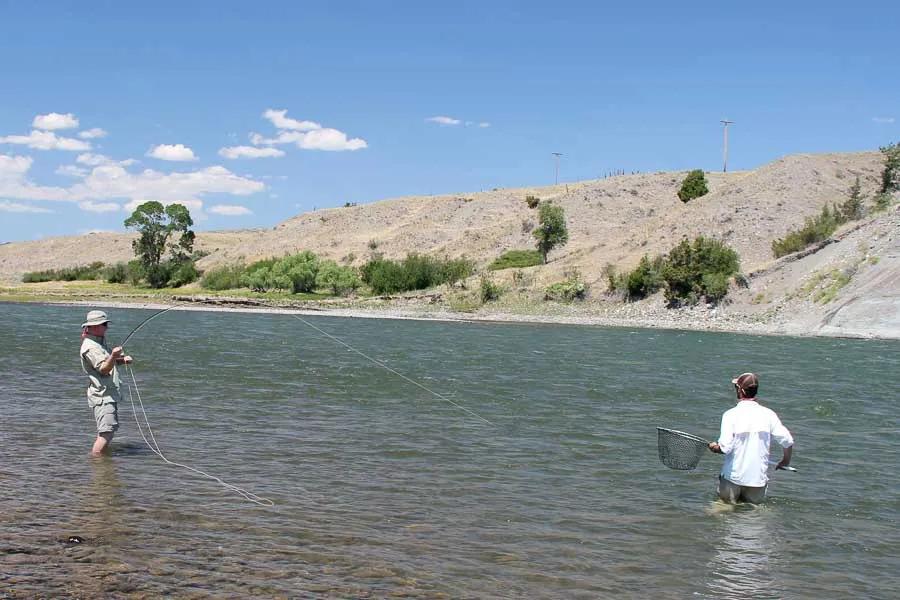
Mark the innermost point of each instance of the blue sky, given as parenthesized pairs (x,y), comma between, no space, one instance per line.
(252,112)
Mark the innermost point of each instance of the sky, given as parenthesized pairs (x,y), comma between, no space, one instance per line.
(249,113)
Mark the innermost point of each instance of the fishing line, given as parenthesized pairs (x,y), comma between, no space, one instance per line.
(397,373)
(156,450)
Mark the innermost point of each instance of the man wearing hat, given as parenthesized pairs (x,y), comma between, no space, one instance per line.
(99,363)
(747,430)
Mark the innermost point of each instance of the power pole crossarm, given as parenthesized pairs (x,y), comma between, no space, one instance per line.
(557,155)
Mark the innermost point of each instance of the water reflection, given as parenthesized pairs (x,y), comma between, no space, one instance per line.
(747,553)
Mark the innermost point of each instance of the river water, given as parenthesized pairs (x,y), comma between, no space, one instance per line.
(382,489)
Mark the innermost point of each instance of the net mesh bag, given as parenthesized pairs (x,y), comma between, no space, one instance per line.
(679,450)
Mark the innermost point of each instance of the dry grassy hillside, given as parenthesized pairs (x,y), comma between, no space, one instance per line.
(613,220)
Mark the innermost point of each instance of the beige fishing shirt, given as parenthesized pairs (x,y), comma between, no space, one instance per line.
(103,389)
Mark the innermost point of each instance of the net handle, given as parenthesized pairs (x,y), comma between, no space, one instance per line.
(697,438)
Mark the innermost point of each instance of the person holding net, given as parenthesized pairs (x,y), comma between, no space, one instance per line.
(746,433)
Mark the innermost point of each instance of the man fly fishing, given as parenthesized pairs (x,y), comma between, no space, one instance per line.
(746,432)
(99,364)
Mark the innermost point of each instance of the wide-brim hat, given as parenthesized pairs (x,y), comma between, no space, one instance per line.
(95,317)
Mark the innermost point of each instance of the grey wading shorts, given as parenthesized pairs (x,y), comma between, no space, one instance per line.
(107,417)
(730,491)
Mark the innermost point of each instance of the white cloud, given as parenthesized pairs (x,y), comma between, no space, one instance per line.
(307,135)
(90,134)
(53,121)
(230,210)
(250,152)
(484,124)
(95,160)
(72,171)
(280,121)
(319,139)
(7,206)
(45,140)
(175,152)
(883,119)
(443,120)
(107,183)
(99,207)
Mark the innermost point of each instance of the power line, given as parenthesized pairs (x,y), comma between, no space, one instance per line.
(557,155)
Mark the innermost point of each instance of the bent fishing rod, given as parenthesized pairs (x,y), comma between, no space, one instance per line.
(144,322)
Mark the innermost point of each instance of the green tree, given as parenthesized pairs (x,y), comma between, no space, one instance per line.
(697,269)
(693,186)
(551,230)
(852,208)
(339,279)
(156,225)
(890,176)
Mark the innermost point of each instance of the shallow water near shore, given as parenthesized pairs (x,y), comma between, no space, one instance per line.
(381,488)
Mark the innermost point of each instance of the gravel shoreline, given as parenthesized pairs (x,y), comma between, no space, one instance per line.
(701,318)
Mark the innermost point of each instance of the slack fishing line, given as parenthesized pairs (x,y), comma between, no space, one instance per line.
(133,390)
(395,372)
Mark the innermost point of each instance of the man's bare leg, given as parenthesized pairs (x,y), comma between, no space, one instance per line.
(101,444)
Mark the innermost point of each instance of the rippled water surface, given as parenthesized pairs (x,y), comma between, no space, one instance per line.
(382,489)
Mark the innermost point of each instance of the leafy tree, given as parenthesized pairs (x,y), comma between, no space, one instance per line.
(852,208)
(341,280)
(693,186)
(296,273)
(551,231)
(698,269)
(890,177)
(156,225)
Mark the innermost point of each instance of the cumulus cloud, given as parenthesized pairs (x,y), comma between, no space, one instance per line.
(45,140)
(107,183)
(90,134)
(95,160)
(72,171)
(174,152)
(7,206)
(281,121)
(307,135)
(99,207)
(320,139)
(230,210)
(443,120)
(250,152)
(884,120)
(54,121)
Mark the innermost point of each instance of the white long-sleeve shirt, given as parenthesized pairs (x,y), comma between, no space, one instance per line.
(747,431)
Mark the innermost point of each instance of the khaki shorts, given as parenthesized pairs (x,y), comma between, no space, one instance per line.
(107,417)
(734,493)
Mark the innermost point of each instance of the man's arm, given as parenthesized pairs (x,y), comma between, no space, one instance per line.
(107,365)
(786,458)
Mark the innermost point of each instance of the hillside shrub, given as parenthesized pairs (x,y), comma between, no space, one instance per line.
(852,208)
(516,259)
(489,290)
(182,273)
(645,280)
(698,269)
(80,273)
(415,272)
(890,176)
(883,201)
(340,280)
(693,186)
(815,230)
(226,277)
(117,273)
(532,201)
(570,289)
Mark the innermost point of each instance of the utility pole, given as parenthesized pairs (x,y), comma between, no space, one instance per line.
(557,155)
(726,123)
